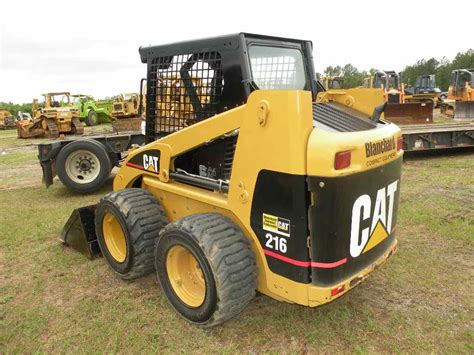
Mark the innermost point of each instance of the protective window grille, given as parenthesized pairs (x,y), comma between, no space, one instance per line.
(277,68)
(185,89)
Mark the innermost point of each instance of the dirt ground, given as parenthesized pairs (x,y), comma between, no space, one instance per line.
(52,299)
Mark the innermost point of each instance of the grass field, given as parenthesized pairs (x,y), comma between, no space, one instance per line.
(53,299)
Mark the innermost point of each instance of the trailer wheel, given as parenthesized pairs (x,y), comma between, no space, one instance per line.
(83,165)
(92,119)
(206,268)
(127,223)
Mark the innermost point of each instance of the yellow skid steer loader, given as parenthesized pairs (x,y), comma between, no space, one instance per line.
(246,183)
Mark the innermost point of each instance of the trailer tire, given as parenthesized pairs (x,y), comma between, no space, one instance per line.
(206,268)
(127,224)
(92,118)
(83,165)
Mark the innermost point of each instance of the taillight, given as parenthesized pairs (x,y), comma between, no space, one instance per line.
(337,290)
(399,143)
(342,160)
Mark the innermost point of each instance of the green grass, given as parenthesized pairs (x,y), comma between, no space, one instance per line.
(53,299)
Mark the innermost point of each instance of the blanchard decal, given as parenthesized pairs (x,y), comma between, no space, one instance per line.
(276,224)
(149,161)
(379,217)
(380,147)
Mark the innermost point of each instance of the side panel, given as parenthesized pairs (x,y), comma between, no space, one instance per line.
(279,219)
(353,220)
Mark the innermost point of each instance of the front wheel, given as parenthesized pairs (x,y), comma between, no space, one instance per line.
(206,268)
(92,119)
(127,223)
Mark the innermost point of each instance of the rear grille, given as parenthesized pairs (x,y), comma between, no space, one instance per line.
(394,98)
(341,118)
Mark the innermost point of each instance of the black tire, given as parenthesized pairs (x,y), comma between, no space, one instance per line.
(95,152)
(225,259)
(141,219)
(92,118)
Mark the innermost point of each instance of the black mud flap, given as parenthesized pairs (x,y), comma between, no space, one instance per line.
(79,232)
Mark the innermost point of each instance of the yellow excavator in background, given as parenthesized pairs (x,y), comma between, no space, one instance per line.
(460,101)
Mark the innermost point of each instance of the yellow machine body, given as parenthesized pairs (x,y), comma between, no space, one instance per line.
(306,150)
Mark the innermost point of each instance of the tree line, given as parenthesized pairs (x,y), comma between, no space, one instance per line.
(353,77)
(15,108)
(442,68)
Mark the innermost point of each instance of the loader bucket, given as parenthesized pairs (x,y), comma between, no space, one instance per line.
(464,110)
(409,113)
(128,124)
(79,232)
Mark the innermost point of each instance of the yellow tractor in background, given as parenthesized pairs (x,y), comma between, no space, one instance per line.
(246,182)
(7,120)
(460,101)
(56,115)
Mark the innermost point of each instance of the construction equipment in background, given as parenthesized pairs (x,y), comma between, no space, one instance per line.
(55,116)
(24,116)
(460,101)
(398,110)
(416,137)
(128,109)
(126,105)
(93,112)
(332,82)
(246,182)
(424,90)
(7,120)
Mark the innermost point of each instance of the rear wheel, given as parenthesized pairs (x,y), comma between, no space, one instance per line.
(83,165)
(206,268)
(127,223)
(92,119)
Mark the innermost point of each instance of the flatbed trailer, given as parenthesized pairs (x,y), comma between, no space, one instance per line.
(108,151)
(437,136)
(85,164)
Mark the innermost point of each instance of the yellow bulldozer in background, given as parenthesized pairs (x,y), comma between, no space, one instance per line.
(128,110)
(460,101)
(332,82)
(384,87)
(55,116)
(397,110)
(7,120)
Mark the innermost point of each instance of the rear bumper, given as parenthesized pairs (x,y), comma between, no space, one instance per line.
(320,295)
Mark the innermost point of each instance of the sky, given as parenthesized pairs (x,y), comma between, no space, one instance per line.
(91,47)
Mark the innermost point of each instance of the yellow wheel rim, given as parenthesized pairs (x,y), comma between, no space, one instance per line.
(114,237)
(185,275)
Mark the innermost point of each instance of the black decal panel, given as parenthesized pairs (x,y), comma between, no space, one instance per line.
(279,219)
(148,160)
(332,222)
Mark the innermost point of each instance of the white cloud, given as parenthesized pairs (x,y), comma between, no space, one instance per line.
(92,46)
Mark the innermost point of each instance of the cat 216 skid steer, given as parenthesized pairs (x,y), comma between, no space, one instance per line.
(246,184)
